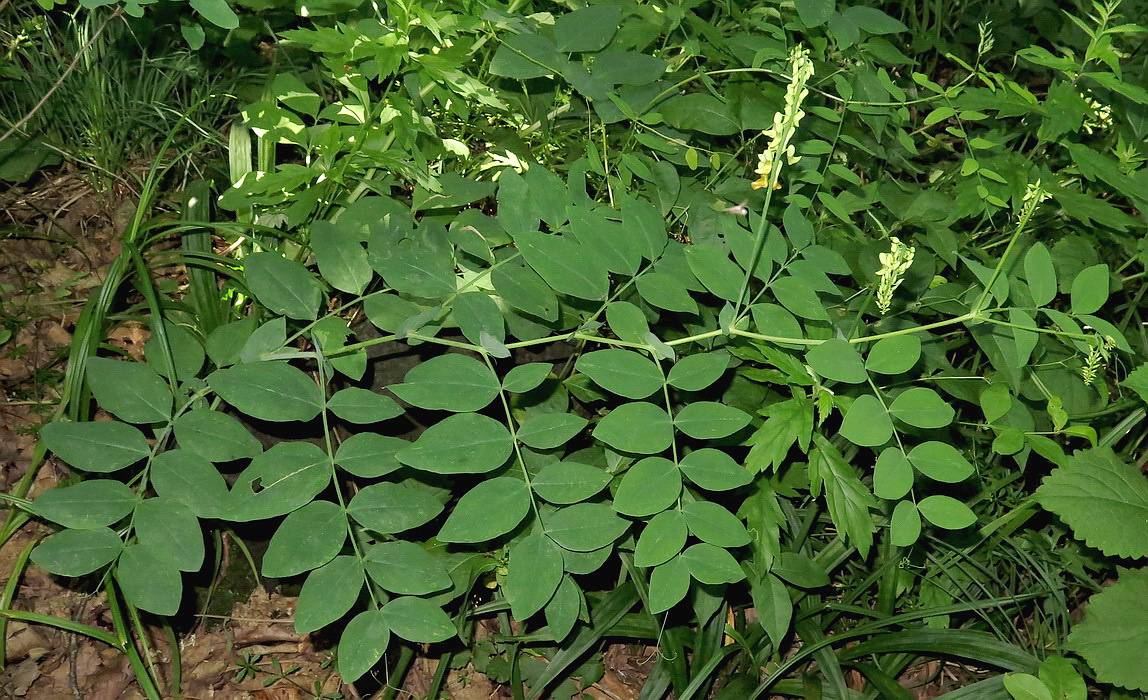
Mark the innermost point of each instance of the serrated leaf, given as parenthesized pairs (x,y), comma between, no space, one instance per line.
(215,436)
(711,522)
(940,461)
(708,420)
(148,582)
(490,509)
(648,487)
(637,427)
(714,470)
(449,382)
(269,390)
(389,508)
(77,552)
(946,512)
(129,390)
(712,565)
(370,455)
(187,478)
(866,422)
(101,446)
(465,443)
(533,574)
(669,583)
(362,644)
(894,355)
(362,406)
(328,593)
(418,620)
(1103,499)
(89,504)
(569,482)
(406,568)
(1113,637)
(622,372)
(923,408)
(306,539)
(171,532)
(585,527)
(662,539)
(283,286)
(546,431)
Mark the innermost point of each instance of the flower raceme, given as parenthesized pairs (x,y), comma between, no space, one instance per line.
(784,122)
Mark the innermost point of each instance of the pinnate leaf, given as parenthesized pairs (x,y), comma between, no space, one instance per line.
(923,408)
(129,390)
(77,552)
(866,422)
(714,470)
(418,620)
(709,420)
(148,582)
(89,504)
(569,482)
(328,593)
(389,508)
(662,539)
(838,360)
(364,641)
(894,355)
(585,527)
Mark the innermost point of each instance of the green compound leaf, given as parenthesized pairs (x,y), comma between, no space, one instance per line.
(894,355)
(713,268)
(664,291)
(563,609)
(101,446)
(1103,499)
(546,431)
(622,371)
(217,12)
(406,568)
(86,505)
(867,423)
(364,641)
(662,539)
(413,267)
(523,378)
(708,420)
(587,29)
(282,285)
(714,470)
(569,482)
(148,582)
(307,539)
(356,405)
(77,552)
(904,524)
(996,402)
(533,574)
(946,512)
(567,267)
(340,255)
(131,391)
(522,288)
(838,360)
(449,382)
(1089,289)
(477,313)
(940,461)
(799,298)
(669,583)
(712,523)
(585,527)
(923,408)
(697,372)
(712,565)
(1040,273)
(215,436)
(1113,637)
(271,390)
(283,478)
(490,509)
(328,593)
(418,620)
(637,427)
(185,477)
(892,475)
(648,487)
(171,532)
(465,443)
(370,455)
(389,508)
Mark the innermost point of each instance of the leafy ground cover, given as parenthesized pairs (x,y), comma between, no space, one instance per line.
(639,350)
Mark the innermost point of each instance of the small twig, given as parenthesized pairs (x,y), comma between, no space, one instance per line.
(63,76)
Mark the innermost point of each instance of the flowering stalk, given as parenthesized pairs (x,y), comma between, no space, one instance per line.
(894,264)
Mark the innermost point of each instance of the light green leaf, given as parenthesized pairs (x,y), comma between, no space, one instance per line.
(1062,679)
(187,478)
(569,482)
(669,583)
(306,539)
(714,470)
(623,372)
(418,620)
(370,455)
(712,565)
(465,443)
(148,582)
(699,111)
(490,509)
(546,431)
(567,267)
(708,420)
(129,390)
(449,382)
(328,593)
(362,645)
(217,12)
(283,478)
(714,269)
(215,436)
(587,29)
(996,402)
(710,522)
(533,574)
(477,312)
(1103,499)
(521,287)
(389,508)
(283,286)
(1089,289)
(894,355)
(1025,686)
(270,390)
(585,527)
(171,532)
(648,487)
(340,255)
(101,446)
(77,552)
(940,461)
(838,360)
(89,504)
(798,297)
(946,512)
(866,422)
(662,539)
(923,408)
(1113,637)
(406,568)
(1040,273)
(697,372)
(892,475)
(904,524)
(356,405)
(637,427)
(563,609)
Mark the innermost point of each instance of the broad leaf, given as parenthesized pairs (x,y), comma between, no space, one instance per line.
(406,568)
(708,420)
(569,482)
(697,372)
(892,475)
(269,390)
(866,422)
(129,390)
(567,267)
(1040,273)
(904,524)
(710,522)
(894,355)
(282,285)
(306,539)
(838,360)
(185,477)
(648,487)
(465,443)
(87,505)
(285,477)
(77,552)
(449,382)
(533,574)
(215,436)
(418,620)
(101,446)
(712,565)
(923,408)
(669,583)
(356,405)
(1090,289)
(148,582)
(637,427)
(623,372)
(714,470)
(389,508)
(940,461)
(364,640)
(662,539)
(370,455)
(1113,637)
(490,509)
(328,593)
(544,431)
(946,512)
(170,531)
(585,527)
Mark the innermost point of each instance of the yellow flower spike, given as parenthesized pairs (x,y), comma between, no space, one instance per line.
(785,123)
